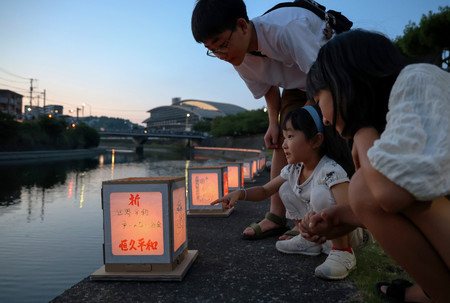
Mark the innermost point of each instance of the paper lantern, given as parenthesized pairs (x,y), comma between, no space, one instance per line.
(248,173)
(262,161)
(235,175)
(255,167)
(144,222)
(207,184)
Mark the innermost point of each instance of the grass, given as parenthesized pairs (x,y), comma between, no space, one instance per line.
(374,265)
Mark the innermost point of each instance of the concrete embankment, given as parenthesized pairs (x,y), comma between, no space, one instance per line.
(228,269)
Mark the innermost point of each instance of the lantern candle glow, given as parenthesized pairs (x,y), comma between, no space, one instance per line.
(207,184)
(145,237)
(235,175)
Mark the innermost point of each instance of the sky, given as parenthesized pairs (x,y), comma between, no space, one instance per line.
(121,58)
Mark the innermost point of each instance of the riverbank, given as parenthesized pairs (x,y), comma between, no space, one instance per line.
(49,154)
(228,269)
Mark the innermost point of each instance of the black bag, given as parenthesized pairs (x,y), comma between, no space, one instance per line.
(338,22)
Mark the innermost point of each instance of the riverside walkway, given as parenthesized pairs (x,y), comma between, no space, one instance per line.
(227,269)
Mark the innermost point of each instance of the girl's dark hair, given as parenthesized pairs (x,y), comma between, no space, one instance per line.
(212,17)
(333,145)
(359,68)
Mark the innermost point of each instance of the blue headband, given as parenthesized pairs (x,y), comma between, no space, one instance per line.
(313,112)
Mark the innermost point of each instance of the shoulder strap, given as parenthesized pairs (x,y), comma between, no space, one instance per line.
(338,22)
(313,6)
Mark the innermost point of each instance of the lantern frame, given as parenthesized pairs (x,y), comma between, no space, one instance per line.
(222,186)
(240,177)
(174,262)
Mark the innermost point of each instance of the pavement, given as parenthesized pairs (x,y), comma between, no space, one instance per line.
(227,269)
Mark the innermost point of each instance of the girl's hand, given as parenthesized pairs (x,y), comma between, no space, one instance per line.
(229,200)
(304,227)
(332,222)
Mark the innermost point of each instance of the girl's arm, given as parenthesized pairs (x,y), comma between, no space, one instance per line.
(390,196)
(256,193)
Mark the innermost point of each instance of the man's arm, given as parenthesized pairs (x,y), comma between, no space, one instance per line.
(273,101)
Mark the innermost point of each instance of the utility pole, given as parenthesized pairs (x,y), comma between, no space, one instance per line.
(31,92)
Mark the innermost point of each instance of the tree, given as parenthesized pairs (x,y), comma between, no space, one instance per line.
(242,124)
(429,41)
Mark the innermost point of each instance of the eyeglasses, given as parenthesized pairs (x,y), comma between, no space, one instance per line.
(222,50)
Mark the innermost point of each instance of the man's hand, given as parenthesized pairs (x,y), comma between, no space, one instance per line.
(272,136)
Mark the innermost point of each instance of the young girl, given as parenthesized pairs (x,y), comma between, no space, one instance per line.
(312,180)
(398,118)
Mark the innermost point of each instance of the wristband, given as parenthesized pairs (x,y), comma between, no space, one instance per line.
(245,193)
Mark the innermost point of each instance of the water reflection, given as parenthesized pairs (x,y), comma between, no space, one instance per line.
(51,218)
(43,175)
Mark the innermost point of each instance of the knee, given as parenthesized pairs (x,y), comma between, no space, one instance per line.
(360,198)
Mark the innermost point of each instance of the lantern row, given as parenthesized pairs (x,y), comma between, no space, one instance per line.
(144,219)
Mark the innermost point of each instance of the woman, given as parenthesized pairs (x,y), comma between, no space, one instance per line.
(397,117)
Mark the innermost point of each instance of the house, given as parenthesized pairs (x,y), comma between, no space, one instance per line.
(11,103)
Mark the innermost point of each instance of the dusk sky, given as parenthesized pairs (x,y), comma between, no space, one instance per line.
(123,58)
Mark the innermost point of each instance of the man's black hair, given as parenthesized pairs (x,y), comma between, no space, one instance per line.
(212,17)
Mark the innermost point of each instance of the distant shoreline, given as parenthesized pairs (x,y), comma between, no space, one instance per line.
(6,157)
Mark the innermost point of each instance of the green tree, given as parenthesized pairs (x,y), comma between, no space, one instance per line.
(202,126)
(429,41)
(241,124)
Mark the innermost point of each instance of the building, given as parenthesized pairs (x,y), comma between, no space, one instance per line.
(183,114)
(34,112)
(11,103)
(53,110)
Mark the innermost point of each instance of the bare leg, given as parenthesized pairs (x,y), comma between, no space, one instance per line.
(417,251)
(276,205)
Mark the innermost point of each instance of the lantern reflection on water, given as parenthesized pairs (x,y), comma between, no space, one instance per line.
(144,230)
(207,184)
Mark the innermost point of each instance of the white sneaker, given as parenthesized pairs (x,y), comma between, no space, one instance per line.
(356,238)
(360,237)
(326,247)
(337,265)
(299,245)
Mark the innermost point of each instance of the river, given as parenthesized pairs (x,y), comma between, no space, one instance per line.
(51,225)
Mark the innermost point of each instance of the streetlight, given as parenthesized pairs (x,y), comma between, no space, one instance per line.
(187,117)
(90,109)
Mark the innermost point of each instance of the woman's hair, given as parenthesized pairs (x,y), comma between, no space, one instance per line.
(333,145)
(212,17)
(359,68)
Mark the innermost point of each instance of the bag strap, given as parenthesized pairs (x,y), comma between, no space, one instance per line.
(338,22)
(334,20)
(313,6)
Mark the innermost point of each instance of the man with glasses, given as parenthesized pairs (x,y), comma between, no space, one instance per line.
(269,52)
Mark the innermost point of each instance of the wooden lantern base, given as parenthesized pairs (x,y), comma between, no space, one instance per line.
(177,274)
(209,212)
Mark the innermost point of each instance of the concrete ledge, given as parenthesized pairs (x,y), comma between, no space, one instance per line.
(49,154)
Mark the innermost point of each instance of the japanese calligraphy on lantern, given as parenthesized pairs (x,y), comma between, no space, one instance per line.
(247,171)
(205,188)
(137,223)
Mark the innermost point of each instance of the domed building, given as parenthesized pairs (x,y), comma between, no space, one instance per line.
(183,114)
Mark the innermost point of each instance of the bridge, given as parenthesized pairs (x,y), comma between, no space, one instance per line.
(139,137)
